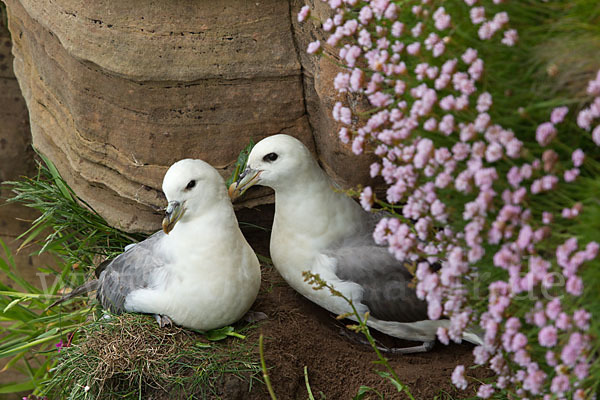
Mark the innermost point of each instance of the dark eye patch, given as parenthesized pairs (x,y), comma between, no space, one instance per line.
(270,157)
(190,184)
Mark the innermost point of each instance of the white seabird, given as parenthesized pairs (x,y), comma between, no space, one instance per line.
(319,229)
(199,272)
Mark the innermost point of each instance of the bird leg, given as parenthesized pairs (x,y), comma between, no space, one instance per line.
(423,348)
(163,320)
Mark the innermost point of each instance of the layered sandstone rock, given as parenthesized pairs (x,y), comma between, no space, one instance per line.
(117,91)
(16,155)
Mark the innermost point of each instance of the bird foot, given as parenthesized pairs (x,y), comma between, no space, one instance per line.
(255,316)
(423,348)
(163,320)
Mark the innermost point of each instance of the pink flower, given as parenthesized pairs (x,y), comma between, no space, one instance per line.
(562,321)
(442,335)
(476,69)
(581,319)
(485,391)
(446,125)
(578,156)
(366,198)
(313,47)
(365,15)
(591,250)
(380,99)
(484,101)
(539,318)
(335,3)
(344,135)
(304,11)
(553,308)
(441,18)
(545,133)
(581,370)
(391,12)
(547,336)
(458,377)
(596,135)
(519,341)
(560,384)
(356,79)
(341,82)
(397,29)
(575,285)
(558,114)
(430,125)
(414,48)
(345,115)
(364,39)
(594,86)
(493,152)
(358,145)
(510,37)
(571,174)
(551,358)
(477,15)
(417,29)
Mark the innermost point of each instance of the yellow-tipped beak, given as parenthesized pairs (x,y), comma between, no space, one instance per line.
(173,213)
(248,178)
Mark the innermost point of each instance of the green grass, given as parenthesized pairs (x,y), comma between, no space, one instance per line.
(67,225)
(29,334)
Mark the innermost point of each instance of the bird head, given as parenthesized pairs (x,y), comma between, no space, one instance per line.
(276,161)
(191,187)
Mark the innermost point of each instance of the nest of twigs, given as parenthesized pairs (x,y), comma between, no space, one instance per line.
(130,355)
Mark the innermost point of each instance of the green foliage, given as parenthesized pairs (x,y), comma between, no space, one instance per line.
(240,163)
(72,229)
(29,333)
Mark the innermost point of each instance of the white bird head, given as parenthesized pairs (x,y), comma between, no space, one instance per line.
(191,187)
(277,161)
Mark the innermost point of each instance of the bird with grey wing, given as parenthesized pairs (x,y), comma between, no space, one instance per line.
(318,229)
(198,272)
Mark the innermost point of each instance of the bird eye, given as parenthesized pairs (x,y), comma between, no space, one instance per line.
(270,157)
(190,184)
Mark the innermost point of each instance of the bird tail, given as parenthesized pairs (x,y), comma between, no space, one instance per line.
(83,289)
(472,337)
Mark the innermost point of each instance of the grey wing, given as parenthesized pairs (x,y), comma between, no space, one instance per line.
(388,292)
(131,270)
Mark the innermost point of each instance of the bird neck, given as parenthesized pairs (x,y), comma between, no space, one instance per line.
(314,209)
(206,225)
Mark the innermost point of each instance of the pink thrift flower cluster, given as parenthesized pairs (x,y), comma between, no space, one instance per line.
(438,146)
(586,117)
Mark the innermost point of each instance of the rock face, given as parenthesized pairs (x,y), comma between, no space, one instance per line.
(117,91)
(16,155)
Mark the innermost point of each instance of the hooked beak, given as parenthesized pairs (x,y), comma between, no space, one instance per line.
(173,213)
(248,178)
